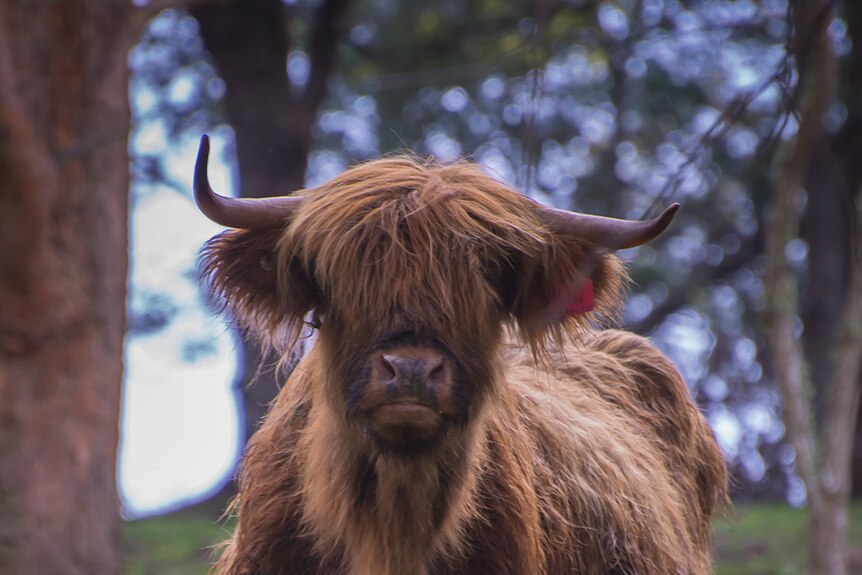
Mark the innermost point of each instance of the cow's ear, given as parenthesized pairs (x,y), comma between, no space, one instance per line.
(571,283)
(575,277)
(245,280)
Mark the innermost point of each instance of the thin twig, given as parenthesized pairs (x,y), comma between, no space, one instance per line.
(719,127)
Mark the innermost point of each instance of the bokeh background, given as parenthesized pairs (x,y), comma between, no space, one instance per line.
(613,107)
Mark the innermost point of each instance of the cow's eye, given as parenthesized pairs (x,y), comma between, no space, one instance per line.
(315,320)
(502,277)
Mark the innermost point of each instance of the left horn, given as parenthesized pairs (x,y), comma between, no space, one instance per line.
(245,213)
(609,233)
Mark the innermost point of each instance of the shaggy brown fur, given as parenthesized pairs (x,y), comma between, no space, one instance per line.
(582,453)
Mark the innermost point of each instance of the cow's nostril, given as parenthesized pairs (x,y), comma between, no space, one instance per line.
(388,369)
(409,367)
(437,373)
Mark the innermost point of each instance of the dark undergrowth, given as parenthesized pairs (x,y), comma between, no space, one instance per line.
(749,540)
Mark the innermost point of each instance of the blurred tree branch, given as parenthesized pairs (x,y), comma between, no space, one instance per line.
(676,101)
(679,298)
(327,29)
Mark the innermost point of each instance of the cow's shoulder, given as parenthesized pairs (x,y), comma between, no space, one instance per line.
(630,372)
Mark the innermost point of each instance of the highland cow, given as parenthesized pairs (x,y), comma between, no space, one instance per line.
(455,415)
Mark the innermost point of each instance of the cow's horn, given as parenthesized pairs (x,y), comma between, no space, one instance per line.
(245,213)
(609,233)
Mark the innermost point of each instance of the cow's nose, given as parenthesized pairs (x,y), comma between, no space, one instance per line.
(409,398)
(414,370)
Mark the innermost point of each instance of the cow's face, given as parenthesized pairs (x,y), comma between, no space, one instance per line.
(412,284)
(413,272)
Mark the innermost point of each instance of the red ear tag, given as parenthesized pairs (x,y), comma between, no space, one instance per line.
(583,302)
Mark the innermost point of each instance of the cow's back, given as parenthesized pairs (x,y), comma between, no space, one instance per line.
(623,470)
(657,398)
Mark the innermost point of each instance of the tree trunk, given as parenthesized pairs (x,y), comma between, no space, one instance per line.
(848,147)
(842,405)
(856,488)
(833,188)
(272,121)
(248,42)
(823,444)
(63,257)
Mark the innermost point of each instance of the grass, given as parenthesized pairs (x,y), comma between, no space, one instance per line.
(772,540)
(750,540)
(176,544)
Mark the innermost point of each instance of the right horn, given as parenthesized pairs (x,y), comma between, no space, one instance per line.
(609,233)
(245,213)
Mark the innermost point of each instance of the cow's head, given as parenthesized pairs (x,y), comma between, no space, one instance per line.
(413,271)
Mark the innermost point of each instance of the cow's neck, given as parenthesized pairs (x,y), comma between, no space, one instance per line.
(387,514)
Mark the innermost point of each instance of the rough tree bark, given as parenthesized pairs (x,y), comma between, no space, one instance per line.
(272,121)
(823,452)
(63,210)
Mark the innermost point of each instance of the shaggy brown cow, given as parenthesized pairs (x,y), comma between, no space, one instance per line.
(451,416)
